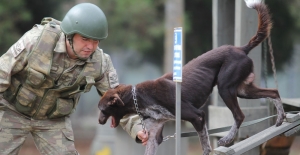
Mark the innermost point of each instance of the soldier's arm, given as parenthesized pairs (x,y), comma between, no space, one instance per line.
(130,123)
(14,60)
(109,77)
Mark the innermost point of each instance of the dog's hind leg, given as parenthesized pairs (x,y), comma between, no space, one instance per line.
(250,91)
(230,99)
(204,139)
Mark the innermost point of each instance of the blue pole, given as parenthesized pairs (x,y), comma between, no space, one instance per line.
(177,77)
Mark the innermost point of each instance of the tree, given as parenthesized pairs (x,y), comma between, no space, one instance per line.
(10,14)
(19,16)
(135,25)
(283,33)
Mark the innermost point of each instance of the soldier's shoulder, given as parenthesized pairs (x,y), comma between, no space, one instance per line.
(99,55)
(33,34)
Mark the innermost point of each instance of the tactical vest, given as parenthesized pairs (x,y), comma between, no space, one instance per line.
(32,91)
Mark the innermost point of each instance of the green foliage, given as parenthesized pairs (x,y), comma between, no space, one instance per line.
(134,25)
(10,14)
(39,9)
(283,32)
(198,24)
(138,25)
(18,16)
(294,10)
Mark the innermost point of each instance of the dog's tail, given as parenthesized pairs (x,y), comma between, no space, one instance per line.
(264,24)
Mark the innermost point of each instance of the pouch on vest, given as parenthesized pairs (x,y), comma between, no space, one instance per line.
(35,78)
(25,100)
(69,93)
(12,91)
(90,81)
(62,108)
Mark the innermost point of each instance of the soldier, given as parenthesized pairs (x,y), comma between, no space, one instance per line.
(43,74)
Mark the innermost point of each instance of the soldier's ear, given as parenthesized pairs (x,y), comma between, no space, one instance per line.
(117,101)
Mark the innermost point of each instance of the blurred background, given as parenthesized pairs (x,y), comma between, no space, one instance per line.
(138,43)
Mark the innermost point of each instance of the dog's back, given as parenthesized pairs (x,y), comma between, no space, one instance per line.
(201,74)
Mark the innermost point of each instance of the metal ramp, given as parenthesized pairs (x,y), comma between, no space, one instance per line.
(290,126)
(295,102)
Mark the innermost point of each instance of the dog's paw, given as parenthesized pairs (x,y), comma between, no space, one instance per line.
(252,3)
(206,149)
(224,141)
(206,152)
(280,119)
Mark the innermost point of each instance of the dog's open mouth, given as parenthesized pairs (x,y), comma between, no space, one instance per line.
(113,122)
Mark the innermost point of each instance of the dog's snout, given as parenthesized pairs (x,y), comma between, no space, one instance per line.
(102,118)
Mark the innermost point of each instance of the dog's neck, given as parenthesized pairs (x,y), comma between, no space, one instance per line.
(136,98)
(147,104)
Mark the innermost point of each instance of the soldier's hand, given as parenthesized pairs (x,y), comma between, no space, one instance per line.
(143,136)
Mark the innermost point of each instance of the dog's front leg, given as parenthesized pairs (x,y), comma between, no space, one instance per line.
(155,136)
(197,120)
(151,147)
(280,111)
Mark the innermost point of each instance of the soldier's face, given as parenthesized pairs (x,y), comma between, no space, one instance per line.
(83,46)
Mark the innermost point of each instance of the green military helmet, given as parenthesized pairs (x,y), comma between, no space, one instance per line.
(87,20)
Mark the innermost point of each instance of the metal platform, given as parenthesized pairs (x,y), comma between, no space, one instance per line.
(290,127)
(291,101)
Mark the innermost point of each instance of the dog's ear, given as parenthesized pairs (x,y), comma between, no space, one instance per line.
(116,100)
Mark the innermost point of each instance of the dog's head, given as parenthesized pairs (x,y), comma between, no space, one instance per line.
(111,105)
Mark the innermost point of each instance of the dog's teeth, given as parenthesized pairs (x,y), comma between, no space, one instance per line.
(251,3)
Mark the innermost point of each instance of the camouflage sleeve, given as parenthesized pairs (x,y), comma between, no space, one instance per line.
(15,58)
(131,124)
(109,78)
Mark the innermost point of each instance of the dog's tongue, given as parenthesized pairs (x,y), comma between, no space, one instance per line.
(113,122)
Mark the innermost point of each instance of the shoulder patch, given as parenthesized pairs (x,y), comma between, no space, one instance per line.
(17,48)
(113,79)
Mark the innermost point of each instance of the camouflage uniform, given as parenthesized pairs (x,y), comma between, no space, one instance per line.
(40,87)
(131,123)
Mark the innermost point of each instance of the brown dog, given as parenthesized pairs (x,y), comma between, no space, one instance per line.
(228,67)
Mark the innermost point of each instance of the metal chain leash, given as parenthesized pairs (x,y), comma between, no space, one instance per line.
(137,108)
(141,117)
(169,136)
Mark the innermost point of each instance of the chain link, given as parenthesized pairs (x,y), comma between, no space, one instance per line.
(141,117)
(168,137)
(137,108)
